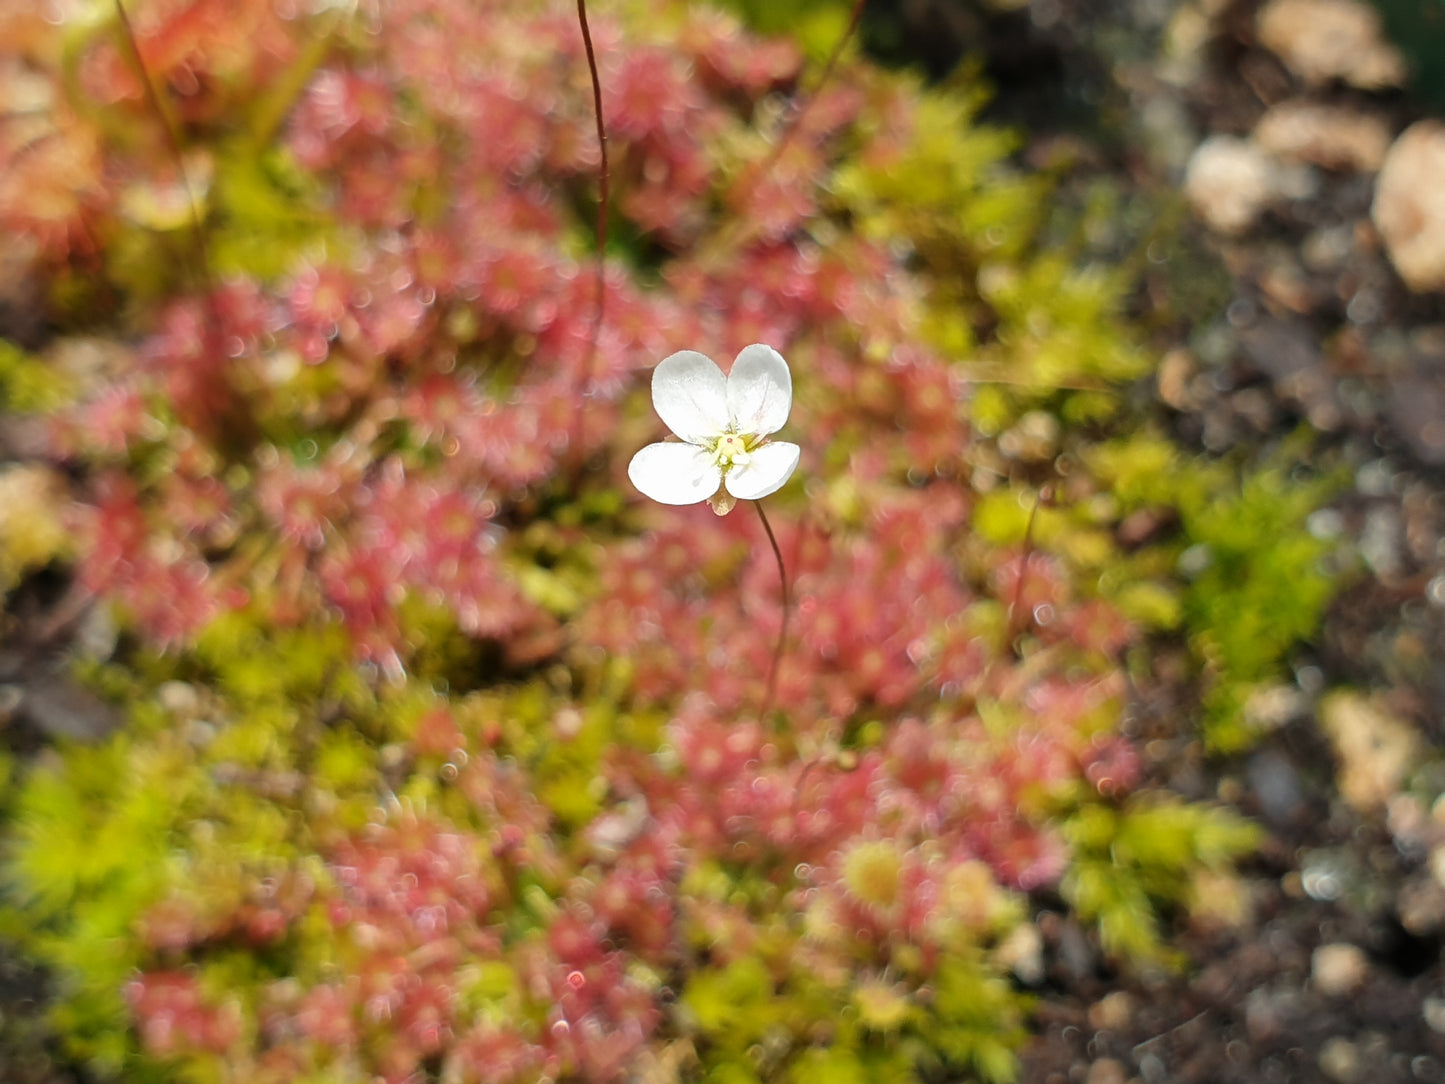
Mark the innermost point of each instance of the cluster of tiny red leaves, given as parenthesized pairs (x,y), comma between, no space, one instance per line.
(369,427)
(63,173)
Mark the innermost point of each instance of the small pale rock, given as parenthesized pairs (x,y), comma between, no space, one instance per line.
(1284,284)
(1186,41)
(179,698)
(1325,135)
(1421,906)
(1320,40)
(1113,1012)
(1034,438)
(1230,181)
(1408,821)
(1276,785)
(1340,1060)
(1433,1010)
(1271,1012)
(1022,952)
(1175,371)
(1168,130)
(1409,208)
(1270,707)
(1338,969)
(1107,1071)
(1327,248)
(1381,541)
(1219,901)
(1375,749)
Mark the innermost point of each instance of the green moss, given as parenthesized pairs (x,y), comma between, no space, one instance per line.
(270,215)
(1132,859)
(979,1019)
(816,25)
(28,385)
(1255,581)
(93,838)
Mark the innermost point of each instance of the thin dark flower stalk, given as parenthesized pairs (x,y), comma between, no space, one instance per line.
(604,179)
(233,428)
(772,686)
(761,169)
(173,143)
(1015,624)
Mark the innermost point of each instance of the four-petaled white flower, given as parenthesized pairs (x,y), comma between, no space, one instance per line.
(725,422)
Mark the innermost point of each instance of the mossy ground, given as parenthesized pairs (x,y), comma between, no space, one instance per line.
(274,775)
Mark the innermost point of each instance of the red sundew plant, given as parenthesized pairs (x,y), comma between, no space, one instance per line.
(452,760)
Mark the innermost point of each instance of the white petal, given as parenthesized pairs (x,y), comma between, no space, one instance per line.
(674,473)
(765,471)
(689,393)
(760,391)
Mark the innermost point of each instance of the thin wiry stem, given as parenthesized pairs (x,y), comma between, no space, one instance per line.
(173,143)
(761,169)
(604,178)
(772,686)
(231,427)
(1015,624)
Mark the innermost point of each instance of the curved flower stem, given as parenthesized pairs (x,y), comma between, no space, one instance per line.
(760,170)
(772,686)
(604,177)
(170,131)
(1015,624)
(233,429)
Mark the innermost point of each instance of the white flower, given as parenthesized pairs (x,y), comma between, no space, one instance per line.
(725,422)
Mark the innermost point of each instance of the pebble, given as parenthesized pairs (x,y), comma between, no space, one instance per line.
(1022,952)
(1381,539)
(1421,906)
(1335,137)
(1338,969)
(179,698)
(1433,1010)
(1175,372)
(1107,1071)
(1271,1012)
(1340,1060)
(1328,247)
(1112,1012)
(1409,207)
(1323,40)
(1374,748)
(1033,439)
(1230,181)
(1276,786)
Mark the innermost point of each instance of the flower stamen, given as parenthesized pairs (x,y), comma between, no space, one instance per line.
(732,449)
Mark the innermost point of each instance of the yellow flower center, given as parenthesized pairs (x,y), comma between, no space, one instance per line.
(733,449)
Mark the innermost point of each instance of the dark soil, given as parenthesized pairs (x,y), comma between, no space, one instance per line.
(1264,335)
